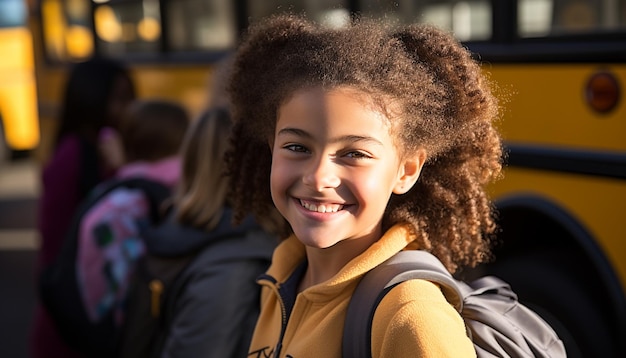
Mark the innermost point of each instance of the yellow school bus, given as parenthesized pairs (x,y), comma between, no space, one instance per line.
(558,67)
(19,125)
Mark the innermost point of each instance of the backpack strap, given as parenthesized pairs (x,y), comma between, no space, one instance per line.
(405,265)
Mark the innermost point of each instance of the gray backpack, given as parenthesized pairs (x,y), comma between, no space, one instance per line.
(497,323)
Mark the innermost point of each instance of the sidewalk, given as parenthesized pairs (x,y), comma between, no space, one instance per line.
(19,179)
(19,192)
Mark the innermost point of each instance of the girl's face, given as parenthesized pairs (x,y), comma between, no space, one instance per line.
(121,96)
(335,166)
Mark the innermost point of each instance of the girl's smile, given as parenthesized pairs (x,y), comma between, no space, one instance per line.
(334,167)
(321,207)
(321,212)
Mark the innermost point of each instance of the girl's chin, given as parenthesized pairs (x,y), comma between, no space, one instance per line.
(317,241)
(317,244)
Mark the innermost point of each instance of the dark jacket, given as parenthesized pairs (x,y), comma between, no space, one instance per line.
(215,312)
(72,171)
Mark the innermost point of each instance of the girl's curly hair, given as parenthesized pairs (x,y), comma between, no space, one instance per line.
(420,77)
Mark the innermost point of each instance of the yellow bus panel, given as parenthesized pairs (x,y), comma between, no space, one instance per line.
(18,95)
(545,104)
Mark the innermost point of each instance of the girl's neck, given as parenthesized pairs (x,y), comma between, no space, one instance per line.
(323,264)
(319,269)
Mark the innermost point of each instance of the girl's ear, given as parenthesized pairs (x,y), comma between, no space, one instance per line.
(409,172)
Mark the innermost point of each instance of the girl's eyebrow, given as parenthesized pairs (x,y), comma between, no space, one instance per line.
(347,138)
(294,131)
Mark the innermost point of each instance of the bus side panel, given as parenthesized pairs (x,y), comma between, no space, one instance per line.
(18,96)
(545,104)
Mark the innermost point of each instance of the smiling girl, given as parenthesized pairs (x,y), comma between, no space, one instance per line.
(368,140)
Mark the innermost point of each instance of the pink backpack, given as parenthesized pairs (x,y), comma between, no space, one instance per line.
(59,286)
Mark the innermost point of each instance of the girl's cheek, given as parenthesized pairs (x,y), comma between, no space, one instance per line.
(276,174)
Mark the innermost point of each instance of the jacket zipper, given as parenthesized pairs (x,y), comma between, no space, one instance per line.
(273,284)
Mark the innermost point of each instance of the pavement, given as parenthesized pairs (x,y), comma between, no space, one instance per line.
(19,192)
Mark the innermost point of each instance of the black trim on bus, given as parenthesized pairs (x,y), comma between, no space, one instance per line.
(551,50)
(594,163)
(174,59)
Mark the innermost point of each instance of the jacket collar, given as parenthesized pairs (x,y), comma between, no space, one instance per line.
(291,252)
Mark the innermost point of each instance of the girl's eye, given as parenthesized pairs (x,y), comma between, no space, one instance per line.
(296,148)
(357,155)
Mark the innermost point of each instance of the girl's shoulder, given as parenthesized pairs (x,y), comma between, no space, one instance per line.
(416,292)
(420,320)
(419,304)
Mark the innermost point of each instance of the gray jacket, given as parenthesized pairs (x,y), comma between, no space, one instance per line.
(215,307)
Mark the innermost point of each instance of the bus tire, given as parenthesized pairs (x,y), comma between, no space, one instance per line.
(545,285)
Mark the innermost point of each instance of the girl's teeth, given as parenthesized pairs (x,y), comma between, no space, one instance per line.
(321,208)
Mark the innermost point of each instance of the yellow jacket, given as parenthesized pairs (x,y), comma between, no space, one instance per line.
(413,320)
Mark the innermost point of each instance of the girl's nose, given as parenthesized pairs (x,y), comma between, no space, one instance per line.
(321,175)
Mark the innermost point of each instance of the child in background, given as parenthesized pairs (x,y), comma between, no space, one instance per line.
(96,93)
(214,313)
(369,140)
(109,244)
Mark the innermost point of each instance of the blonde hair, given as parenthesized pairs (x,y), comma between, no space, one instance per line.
(203,187)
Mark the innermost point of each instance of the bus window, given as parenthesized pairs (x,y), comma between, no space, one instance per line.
(540,18)
(201,25)
(66,30)
(19,126)
(468,20)
(138,27)
(12,13)
(128,27)
(332,13)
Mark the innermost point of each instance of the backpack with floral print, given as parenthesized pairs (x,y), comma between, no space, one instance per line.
(91,325)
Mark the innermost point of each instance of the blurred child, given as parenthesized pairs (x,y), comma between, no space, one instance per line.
(109,243)
(369,140)
(96,93)
(211,264)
